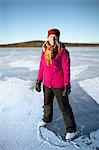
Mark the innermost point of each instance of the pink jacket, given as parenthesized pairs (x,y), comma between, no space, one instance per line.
(56,75)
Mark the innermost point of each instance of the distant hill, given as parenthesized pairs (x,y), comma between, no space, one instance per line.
(24,44)
(40,43)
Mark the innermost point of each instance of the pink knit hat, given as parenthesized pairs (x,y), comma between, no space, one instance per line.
(54,31)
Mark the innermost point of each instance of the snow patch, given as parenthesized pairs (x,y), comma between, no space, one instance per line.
(49,137)
(28,64)
(94,136)
(92,89)
(20,112)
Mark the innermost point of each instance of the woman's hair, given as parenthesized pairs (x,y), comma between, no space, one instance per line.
(51,51)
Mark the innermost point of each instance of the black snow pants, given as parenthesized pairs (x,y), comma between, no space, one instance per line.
(64,106)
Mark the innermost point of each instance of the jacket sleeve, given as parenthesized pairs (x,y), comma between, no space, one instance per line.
(40,72)
(66,66)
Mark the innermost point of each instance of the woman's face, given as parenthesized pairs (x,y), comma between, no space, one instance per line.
(52,39)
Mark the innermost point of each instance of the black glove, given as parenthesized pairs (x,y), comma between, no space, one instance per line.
(38,85)
(67,90)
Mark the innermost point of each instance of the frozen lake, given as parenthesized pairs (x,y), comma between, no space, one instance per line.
(24,62)
(21,107)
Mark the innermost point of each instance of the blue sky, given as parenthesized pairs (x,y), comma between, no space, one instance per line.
(27,20)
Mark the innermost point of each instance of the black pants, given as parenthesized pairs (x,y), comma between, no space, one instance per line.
(64,106)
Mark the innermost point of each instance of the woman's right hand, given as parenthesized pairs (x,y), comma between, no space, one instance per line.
(38,85)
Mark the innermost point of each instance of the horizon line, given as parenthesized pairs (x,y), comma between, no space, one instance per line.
(45,40)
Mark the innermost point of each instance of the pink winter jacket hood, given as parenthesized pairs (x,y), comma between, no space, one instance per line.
(56,75)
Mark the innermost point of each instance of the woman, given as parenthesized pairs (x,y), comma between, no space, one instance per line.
(54,71)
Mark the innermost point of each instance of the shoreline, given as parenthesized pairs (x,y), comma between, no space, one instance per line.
(31,44)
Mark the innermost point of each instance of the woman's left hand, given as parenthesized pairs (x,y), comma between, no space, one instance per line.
(67,90)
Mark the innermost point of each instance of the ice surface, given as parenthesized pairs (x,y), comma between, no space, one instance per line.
(20,113)
(76,70)
(21,106)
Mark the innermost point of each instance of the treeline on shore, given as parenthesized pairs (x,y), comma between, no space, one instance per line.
(40,43)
